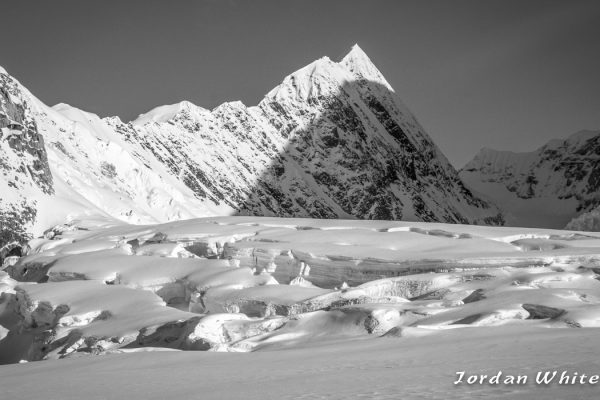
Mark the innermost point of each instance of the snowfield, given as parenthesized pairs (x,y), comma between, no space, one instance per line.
(383,368)
(321,309)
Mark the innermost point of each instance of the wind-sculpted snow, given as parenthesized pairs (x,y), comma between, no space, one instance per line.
(250,284)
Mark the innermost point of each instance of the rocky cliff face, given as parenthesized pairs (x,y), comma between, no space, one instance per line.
(563,174)
(332,140)
(24,165)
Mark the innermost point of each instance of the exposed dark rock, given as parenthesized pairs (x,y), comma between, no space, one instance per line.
(572,324)
(468,320)
(394,332)
(537,311)
(158,237)
(475,296)
(31,270)
(172,335)
(134,243)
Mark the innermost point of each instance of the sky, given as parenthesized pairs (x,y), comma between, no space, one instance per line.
(506,74)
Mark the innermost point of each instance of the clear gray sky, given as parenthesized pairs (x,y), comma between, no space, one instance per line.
(506,74)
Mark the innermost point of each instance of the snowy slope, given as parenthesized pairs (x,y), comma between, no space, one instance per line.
(94,162)
(242,284)
(544,188)
(61,162)
(332,140)
(381,369)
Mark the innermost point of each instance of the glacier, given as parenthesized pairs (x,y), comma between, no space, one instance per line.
(243,283)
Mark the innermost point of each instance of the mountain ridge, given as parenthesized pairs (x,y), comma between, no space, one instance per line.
(546,187)
(333,140)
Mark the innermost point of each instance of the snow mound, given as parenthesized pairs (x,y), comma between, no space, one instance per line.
(243,284)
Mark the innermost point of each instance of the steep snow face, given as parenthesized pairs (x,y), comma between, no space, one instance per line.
(359,64)
(332,140)
(544,188)
(93,161)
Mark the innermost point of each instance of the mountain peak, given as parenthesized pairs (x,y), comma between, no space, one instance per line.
(229,106)
(361,66)
(73,113)
(357,52)
(3,71)
(63,106)
(318,77)
(583,135)
(166,112)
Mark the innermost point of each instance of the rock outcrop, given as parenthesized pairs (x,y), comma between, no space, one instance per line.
(24,168)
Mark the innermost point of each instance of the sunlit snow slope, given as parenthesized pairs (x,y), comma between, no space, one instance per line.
(251,284)
(382,369)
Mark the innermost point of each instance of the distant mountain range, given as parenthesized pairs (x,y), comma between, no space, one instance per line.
(333,140)
(544,188)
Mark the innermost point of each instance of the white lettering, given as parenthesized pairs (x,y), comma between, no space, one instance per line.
(546,378)
(460,374)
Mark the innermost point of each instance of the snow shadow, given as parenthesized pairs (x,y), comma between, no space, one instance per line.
(362,155)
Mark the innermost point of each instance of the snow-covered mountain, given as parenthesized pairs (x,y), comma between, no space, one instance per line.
(332,140)
(23,162)
(544,188)
(58,163)
(588,221)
